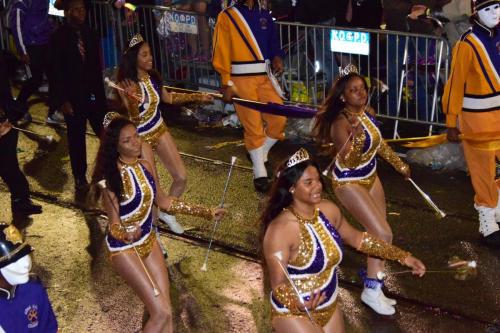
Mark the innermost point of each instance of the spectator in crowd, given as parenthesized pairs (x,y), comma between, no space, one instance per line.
(458,12)
(199,47)
(30,25)
(322,12)
(78,87)
(409,16)
(24,303)
(10,172)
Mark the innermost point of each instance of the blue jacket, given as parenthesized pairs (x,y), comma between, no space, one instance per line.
(29,21)
(27,309)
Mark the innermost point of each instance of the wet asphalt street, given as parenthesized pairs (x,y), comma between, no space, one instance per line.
(89,297)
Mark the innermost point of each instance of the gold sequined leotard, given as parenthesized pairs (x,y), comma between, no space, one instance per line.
(149,122)
(315,267)
(136,209)
(359,166)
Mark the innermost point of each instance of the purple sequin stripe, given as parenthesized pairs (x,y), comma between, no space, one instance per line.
(356,173)
(125,209)
(318,262)
(142,128)
(332,231)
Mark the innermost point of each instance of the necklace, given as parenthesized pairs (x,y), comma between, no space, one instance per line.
(303,220)
(353,113)
(128,163)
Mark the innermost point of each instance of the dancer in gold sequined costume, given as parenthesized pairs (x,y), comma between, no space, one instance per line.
(308,233)
(346,122)
(143,93)
(131,190)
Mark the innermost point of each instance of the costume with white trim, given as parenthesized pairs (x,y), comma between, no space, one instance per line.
(245,41)
(471,102)
(359,165)
(136,204)
(315,267)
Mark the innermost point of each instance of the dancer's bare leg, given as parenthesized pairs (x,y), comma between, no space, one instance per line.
(336,322)
(364,206)
(128,266)
(155,263)
(170,158)
(295,325)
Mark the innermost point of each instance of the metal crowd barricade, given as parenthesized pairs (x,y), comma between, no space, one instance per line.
(413,67)
(407,70)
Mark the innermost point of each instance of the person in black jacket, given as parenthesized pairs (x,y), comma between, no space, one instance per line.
(78,88)
(10,172)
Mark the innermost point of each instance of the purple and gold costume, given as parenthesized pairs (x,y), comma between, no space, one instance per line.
(149,122)
(315,267)
(360,164)
(136,205)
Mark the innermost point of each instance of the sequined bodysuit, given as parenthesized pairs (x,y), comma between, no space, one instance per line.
(149,122)
(360,164)
(136,205)
(315,267)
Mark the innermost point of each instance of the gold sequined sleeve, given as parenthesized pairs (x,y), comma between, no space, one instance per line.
(392,158)
(285,294)
(182,207)
(118,232)
(378,248)
(182,98)
(353,156)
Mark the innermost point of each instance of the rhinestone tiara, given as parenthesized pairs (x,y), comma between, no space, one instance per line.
(300,155)
(109,117)
(350,68)
(135,40)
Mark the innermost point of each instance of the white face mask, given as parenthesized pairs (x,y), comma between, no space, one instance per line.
(490,16)
(17,272)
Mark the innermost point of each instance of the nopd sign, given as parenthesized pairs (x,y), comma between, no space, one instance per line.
(347,41)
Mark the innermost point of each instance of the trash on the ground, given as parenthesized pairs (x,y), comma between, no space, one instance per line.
(447,156)
(299,129)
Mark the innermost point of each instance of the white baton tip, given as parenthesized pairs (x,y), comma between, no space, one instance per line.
(278,255)
(102,183)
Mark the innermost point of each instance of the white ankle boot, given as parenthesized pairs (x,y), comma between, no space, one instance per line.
(487,220)
(171,222)
(374,298)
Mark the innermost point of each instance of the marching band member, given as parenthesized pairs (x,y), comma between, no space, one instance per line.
(246,50)
(345,121)
(307,233)
(143,93)
(130,192)
(471,102)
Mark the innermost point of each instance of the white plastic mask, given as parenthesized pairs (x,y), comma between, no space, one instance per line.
(17,272)
(490,16)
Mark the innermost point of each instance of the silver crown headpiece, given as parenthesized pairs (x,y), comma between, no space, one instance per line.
(350,68)
(135,40)
(109,117)
(300,155)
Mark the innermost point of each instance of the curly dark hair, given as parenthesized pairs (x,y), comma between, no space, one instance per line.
(107,157)
(280,196)
(128,65)
(331,109)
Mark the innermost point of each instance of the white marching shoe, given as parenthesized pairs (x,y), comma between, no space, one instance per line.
(375,299)
(171,222)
